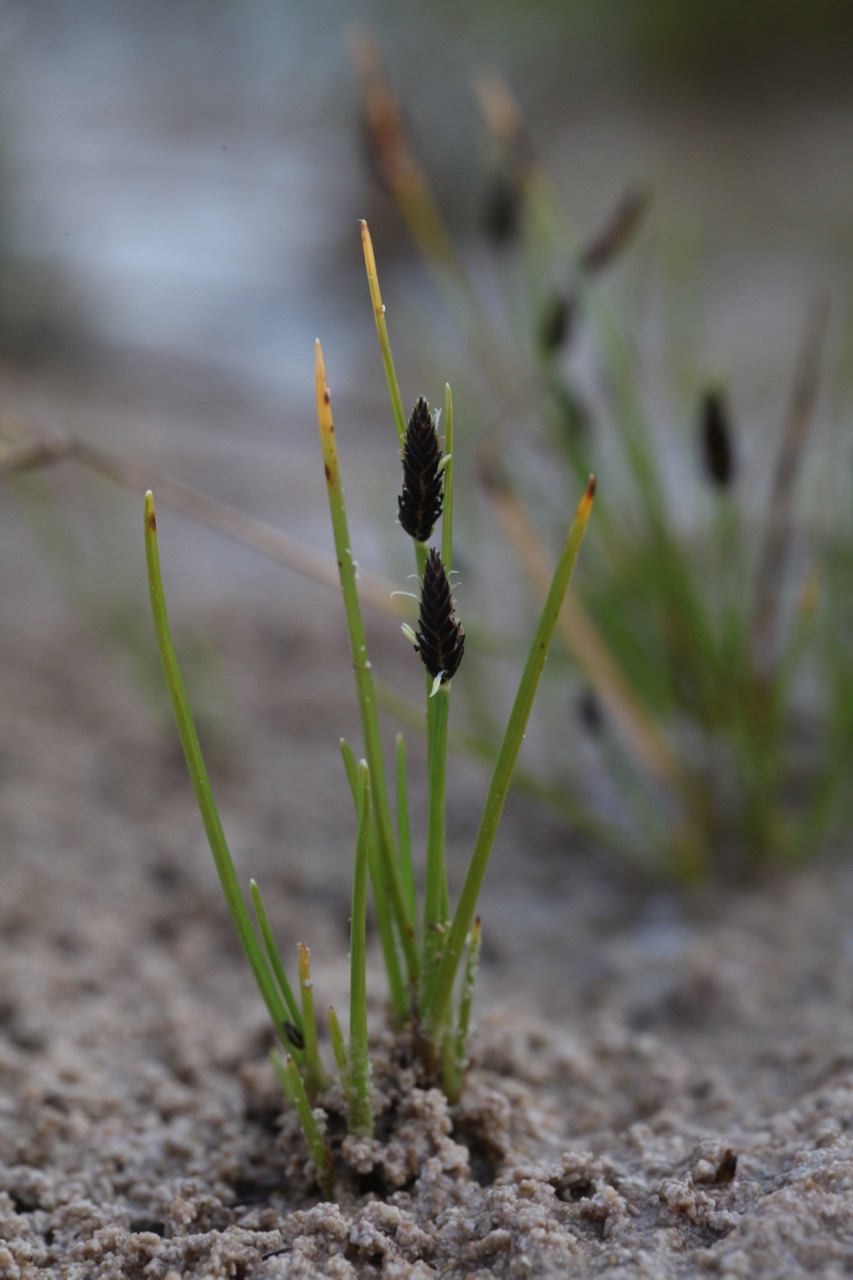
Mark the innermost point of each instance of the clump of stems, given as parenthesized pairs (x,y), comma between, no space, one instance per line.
(430,956)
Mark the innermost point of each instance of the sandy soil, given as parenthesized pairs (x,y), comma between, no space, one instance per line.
(663,1086)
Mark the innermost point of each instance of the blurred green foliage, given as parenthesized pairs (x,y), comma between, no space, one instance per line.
(716,737)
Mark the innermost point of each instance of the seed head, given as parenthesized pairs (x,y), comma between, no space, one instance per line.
(616,232)
(420,503)
(502,207)
(716,442)
(557,321)
(440,637)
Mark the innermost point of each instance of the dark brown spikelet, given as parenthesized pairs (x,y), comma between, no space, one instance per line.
(557,321)
(716,438)
(419,505)
(589,710)
(502,208)
(616,233)
(441,640)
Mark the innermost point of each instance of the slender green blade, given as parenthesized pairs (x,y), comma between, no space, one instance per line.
(395,901)
(294,1088)
(436,1004)
(361,1107)
(201,782)
(274,955)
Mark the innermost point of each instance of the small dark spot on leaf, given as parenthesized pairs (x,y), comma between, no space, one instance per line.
(294,1035)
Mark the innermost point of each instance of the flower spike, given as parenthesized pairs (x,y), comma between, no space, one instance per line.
(717,449)
(420,503)
(440,637)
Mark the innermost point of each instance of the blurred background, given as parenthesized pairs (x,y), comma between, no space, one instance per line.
(180,186)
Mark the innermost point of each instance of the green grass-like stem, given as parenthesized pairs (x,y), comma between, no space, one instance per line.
(294,1089)
(314,1076)
(441,728)
(395,900)
(274,956)
(456,1046)
(384,919)
(339,1048)
(201,783)
(439,992)
(436,908)
(382,333)
(435,881)
(447,508)
(361,1108)
(404,834)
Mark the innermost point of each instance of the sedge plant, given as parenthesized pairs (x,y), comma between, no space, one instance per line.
(430,947)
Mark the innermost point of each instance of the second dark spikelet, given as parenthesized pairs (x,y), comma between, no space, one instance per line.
(616,232)
(557,321)
(440,638)
(502,207)
(420,503)
(716,438)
